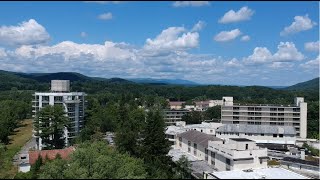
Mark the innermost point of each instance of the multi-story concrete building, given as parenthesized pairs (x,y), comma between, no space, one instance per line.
(176,104)
(204,105)
(264,114)
(223,155)
(258,133)
(73,103)
(171,116)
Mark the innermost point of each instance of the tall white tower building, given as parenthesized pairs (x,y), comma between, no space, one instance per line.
(73,103)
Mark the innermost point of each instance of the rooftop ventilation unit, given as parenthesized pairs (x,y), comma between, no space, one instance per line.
(248,170)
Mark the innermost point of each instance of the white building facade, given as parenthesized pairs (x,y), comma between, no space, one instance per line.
(262,114)
(258,133)
(73,103)
(223,155)
(171,116)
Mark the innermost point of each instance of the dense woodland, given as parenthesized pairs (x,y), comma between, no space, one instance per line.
(118,106)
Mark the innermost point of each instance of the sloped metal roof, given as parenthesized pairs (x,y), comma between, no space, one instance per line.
(198,137)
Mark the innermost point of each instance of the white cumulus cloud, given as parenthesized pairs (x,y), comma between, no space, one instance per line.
(2,53)
(173,39)
(312,46)
(301,23)
(260,55)
(105,16)
(312,64)
(190,3)
(69,50)
(245,38)
(242,14)
(25,33)
(224,36)
(233,63)
(281,65)
(287,52)
(199,26)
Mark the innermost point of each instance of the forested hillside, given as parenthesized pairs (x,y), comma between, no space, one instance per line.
(312,85)
(19,87)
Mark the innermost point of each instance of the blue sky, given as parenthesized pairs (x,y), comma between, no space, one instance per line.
(239,43)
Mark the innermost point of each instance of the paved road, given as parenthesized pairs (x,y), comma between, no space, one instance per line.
(24,150)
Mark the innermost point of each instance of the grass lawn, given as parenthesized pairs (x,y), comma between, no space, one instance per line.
(20,137)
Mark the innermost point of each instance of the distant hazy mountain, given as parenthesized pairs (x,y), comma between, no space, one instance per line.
(312,85)
(47,77)
(277,87)
(163,81)
(7,78)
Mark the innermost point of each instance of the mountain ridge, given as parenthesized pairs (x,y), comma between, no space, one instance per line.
(312,84)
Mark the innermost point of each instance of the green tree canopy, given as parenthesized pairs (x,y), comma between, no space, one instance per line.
(49,124)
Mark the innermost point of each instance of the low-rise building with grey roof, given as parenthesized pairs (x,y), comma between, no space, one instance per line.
(181,126)
(222,155)
(258,133)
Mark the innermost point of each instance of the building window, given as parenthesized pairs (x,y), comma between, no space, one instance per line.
(261,161)
(227,161)
(180,138)
(211,131)
(249,134)
(275,135)
(213,162)
(262,134)
(189,149)
(281,135)
(195,145)
(246,146)
(213,155)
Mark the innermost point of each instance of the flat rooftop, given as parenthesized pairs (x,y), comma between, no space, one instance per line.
(267,105)
(266,173)
(241,139)
(249,128)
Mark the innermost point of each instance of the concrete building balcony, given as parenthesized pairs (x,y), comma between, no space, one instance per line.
(245,110)
(72,101)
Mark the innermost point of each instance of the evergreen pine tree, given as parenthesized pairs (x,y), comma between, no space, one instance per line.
(49,125)
(155,146)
